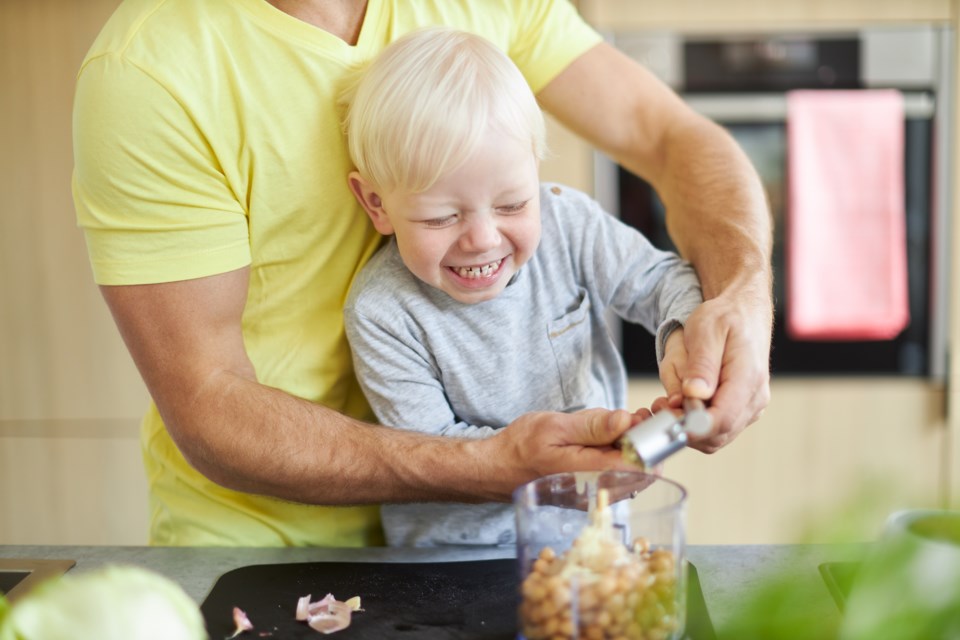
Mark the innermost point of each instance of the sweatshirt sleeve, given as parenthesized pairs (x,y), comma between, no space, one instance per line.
(640,283)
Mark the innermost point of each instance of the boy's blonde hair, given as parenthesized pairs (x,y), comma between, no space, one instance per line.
(424,103)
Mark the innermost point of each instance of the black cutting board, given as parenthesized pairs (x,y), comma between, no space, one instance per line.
(476,600)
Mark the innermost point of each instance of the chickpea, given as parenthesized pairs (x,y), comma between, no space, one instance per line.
(649,599)
(630,573)
(588,597)
(534,590)
(525,609)
(658,634)
(604,619)
(607,586)
(661,561)
(551,626)
(549,606)
(641,545)
(534,616)
(540,565)
(555,583)
(622,617)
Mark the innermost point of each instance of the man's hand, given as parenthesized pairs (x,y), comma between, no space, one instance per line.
(543,443)
(727,350)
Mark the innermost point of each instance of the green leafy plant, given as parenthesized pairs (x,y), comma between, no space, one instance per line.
(906,587)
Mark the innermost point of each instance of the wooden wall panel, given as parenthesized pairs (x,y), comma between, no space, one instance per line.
(72,482)
(569,160)
(60,355)
(70,398)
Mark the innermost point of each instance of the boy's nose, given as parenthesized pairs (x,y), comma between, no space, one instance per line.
(480,235)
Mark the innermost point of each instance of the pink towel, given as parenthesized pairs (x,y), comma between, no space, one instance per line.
(846,230)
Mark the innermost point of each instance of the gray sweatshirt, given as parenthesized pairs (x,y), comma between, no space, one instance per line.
(429,363)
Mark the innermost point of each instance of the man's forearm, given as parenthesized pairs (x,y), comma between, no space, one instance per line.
(186,340)
(717,213)
(257,439)
(260,440)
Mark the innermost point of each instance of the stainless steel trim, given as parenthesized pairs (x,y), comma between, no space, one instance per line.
(903,56)
(734,108)
(940,231)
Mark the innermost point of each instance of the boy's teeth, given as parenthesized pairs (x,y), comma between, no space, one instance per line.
(478,272)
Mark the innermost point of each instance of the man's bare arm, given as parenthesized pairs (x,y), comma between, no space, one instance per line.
(717,216)
(186,340)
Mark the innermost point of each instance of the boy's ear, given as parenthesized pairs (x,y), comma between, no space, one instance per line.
(370,202)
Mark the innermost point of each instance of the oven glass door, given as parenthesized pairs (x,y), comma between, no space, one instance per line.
(765,144)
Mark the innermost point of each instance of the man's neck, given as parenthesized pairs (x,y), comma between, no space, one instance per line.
(342,18)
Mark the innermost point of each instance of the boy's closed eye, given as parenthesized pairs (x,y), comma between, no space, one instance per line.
(515,207)
(442,221)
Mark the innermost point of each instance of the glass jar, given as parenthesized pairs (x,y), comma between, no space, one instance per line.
(601,555)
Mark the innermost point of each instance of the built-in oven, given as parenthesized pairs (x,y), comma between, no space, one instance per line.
(741,82)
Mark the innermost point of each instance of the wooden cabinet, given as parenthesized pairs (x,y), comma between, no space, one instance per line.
(752,15)
(71,400)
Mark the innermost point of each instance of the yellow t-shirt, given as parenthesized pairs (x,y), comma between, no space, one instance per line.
(207,138)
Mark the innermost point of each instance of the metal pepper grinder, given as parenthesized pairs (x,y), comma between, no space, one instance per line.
(660,436)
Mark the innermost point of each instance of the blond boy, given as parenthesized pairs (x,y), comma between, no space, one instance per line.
(489,300)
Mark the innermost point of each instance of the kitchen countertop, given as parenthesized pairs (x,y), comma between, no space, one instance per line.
(728,573)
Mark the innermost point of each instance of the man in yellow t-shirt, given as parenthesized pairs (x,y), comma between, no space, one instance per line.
(210,183)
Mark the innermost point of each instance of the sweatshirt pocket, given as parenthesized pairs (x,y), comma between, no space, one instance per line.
(571,340)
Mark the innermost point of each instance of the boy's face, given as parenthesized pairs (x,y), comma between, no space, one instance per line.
(471,231)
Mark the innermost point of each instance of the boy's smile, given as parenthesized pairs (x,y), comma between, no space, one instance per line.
(483,272)
(470,232)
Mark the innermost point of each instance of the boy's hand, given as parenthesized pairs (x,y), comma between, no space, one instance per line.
(671,370)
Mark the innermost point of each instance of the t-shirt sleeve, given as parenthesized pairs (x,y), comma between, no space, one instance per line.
(549,35)
(149,195)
